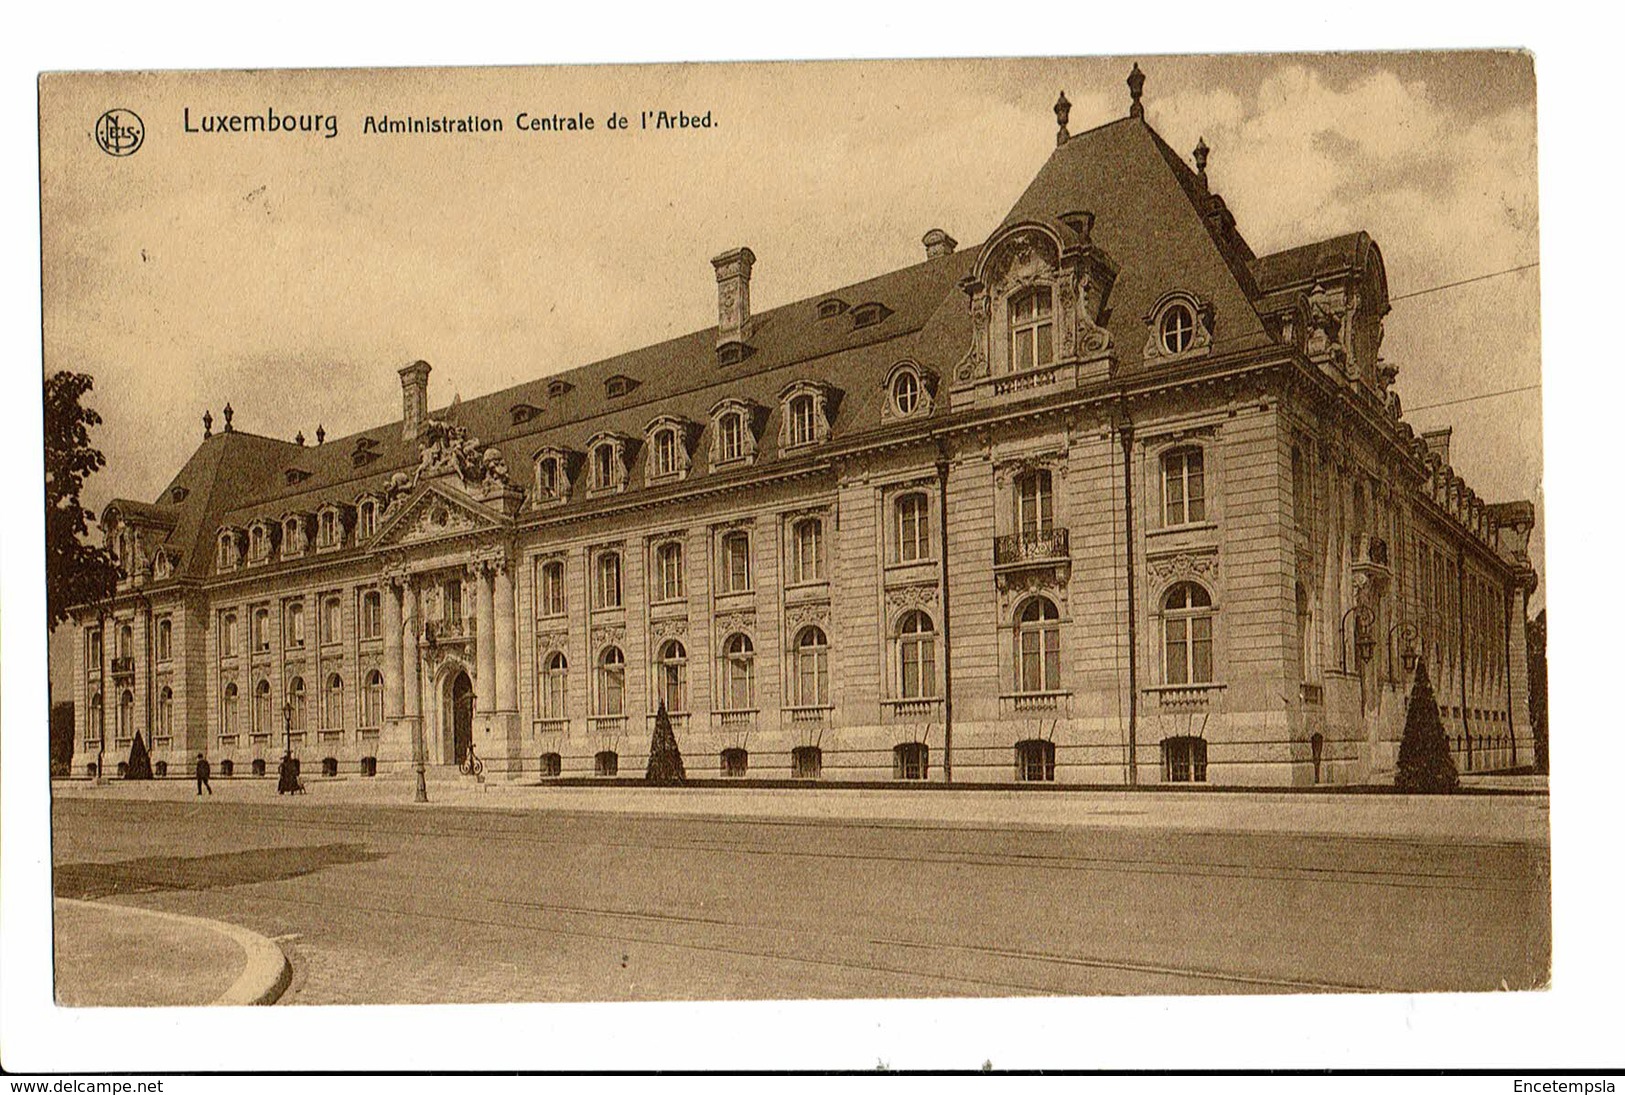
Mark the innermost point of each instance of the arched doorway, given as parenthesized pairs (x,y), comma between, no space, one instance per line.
(460,705)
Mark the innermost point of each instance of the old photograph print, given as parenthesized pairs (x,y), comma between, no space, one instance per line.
(813,530)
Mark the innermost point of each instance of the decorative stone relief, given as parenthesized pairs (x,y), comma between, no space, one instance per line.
(675,627)
(799,616)
(608,635)
(730,622)
(1184,565)
(1014,586)
(900,599)
(549,641)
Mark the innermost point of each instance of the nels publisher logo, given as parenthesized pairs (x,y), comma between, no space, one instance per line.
(119,132)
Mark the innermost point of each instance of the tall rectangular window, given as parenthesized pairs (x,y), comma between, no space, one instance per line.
(669,571)
(1184,490)
(808,548)
(736,562)
(550,588)
(1035,503)
(608,591)
(1032,332)
(913,528)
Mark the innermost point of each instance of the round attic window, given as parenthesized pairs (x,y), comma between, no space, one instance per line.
(905,393)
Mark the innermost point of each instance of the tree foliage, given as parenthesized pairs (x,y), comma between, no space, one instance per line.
(76,572)
(1535,638)
(61,737)
(665,759)
(1424,752)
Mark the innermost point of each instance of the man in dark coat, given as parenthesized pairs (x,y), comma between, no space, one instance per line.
(203,775)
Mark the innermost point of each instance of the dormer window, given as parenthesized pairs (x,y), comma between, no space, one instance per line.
(366,521)
(733,433)
(558,388)
(867,315)
(910,391)
(829,309)
(617,386)
(177,495)
(1178,324)
(668,439)
(329,532)
(226,550)
(606,464)
(731,430)
(259,543)
(905,394)
(521,413)
(295,475)
(552,476)
(1032,329)
(293,536)
(806,414)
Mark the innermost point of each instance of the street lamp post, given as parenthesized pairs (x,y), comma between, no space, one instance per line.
(287,728)
(413,629)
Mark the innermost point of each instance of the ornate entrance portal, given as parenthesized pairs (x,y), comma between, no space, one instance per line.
(459,708)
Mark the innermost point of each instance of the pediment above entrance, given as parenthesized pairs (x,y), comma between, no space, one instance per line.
(433,513)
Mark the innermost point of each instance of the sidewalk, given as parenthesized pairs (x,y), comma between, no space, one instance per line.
(1471,819)
(111,955)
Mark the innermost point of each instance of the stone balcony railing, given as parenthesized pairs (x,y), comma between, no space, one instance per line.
(550,726)
(679,720)
(606,724)
(742,719)
(1056,703)
(1184,698)
(914,710)
(1024,548)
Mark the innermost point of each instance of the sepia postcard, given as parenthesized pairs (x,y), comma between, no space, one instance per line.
(816,531)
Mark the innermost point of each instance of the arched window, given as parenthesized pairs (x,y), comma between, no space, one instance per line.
(126,714)
(296,697)
(1038,647)
(1177,329)
(913,528)
(166,631)
(372,614)
(261,630)
(731,437)
(1035,503)
(612,681)
(603,466)
(550,588)
(228,710)
(666,462)
(673,679)
(165,713)
(126,641)
(803,420)
(736,562)
(1035,761)
(669,571)
(812,668)
(1032,329)
(332,611)
(1184,487)
(738,674)
(553,682)
(905,393)
(1187,629)
(911,760)
(916,657)
(96,720)
(734,763)
(549,482)
(228,635)
(366,519)
(372,700)
(296,624)
(333,703)
(607,590)
(807,563)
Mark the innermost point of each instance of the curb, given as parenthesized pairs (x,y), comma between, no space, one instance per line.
(266,972)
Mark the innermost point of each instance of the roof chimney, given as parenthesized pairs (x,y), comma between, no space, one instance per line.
(414,398)
(938,243)
(733,295)
(1438,443)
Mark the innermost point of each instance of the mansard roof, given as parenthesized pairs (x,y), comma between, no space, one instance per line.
(1152,214)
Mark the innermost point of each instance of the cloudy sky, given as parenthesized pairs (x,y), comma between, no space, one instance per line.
(292,276)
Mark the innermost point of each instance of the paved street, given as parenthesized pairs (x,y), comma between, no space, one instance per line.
(381,903)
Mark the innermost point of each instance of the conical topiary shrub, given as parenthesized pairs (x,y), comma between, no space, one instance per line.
(665,759)
(139,765)
(1425,766)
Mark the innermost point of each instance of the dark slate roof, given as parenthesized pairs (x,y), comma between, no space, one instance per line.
(1149,209)
(1302,265)
(1150,216)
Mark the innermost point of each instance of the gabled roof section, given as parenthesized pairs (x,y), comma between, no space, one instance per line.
(1151,217)
(434,513)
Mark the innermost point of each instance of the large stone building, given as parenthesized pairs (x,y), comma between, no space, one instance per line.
(1107,498)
